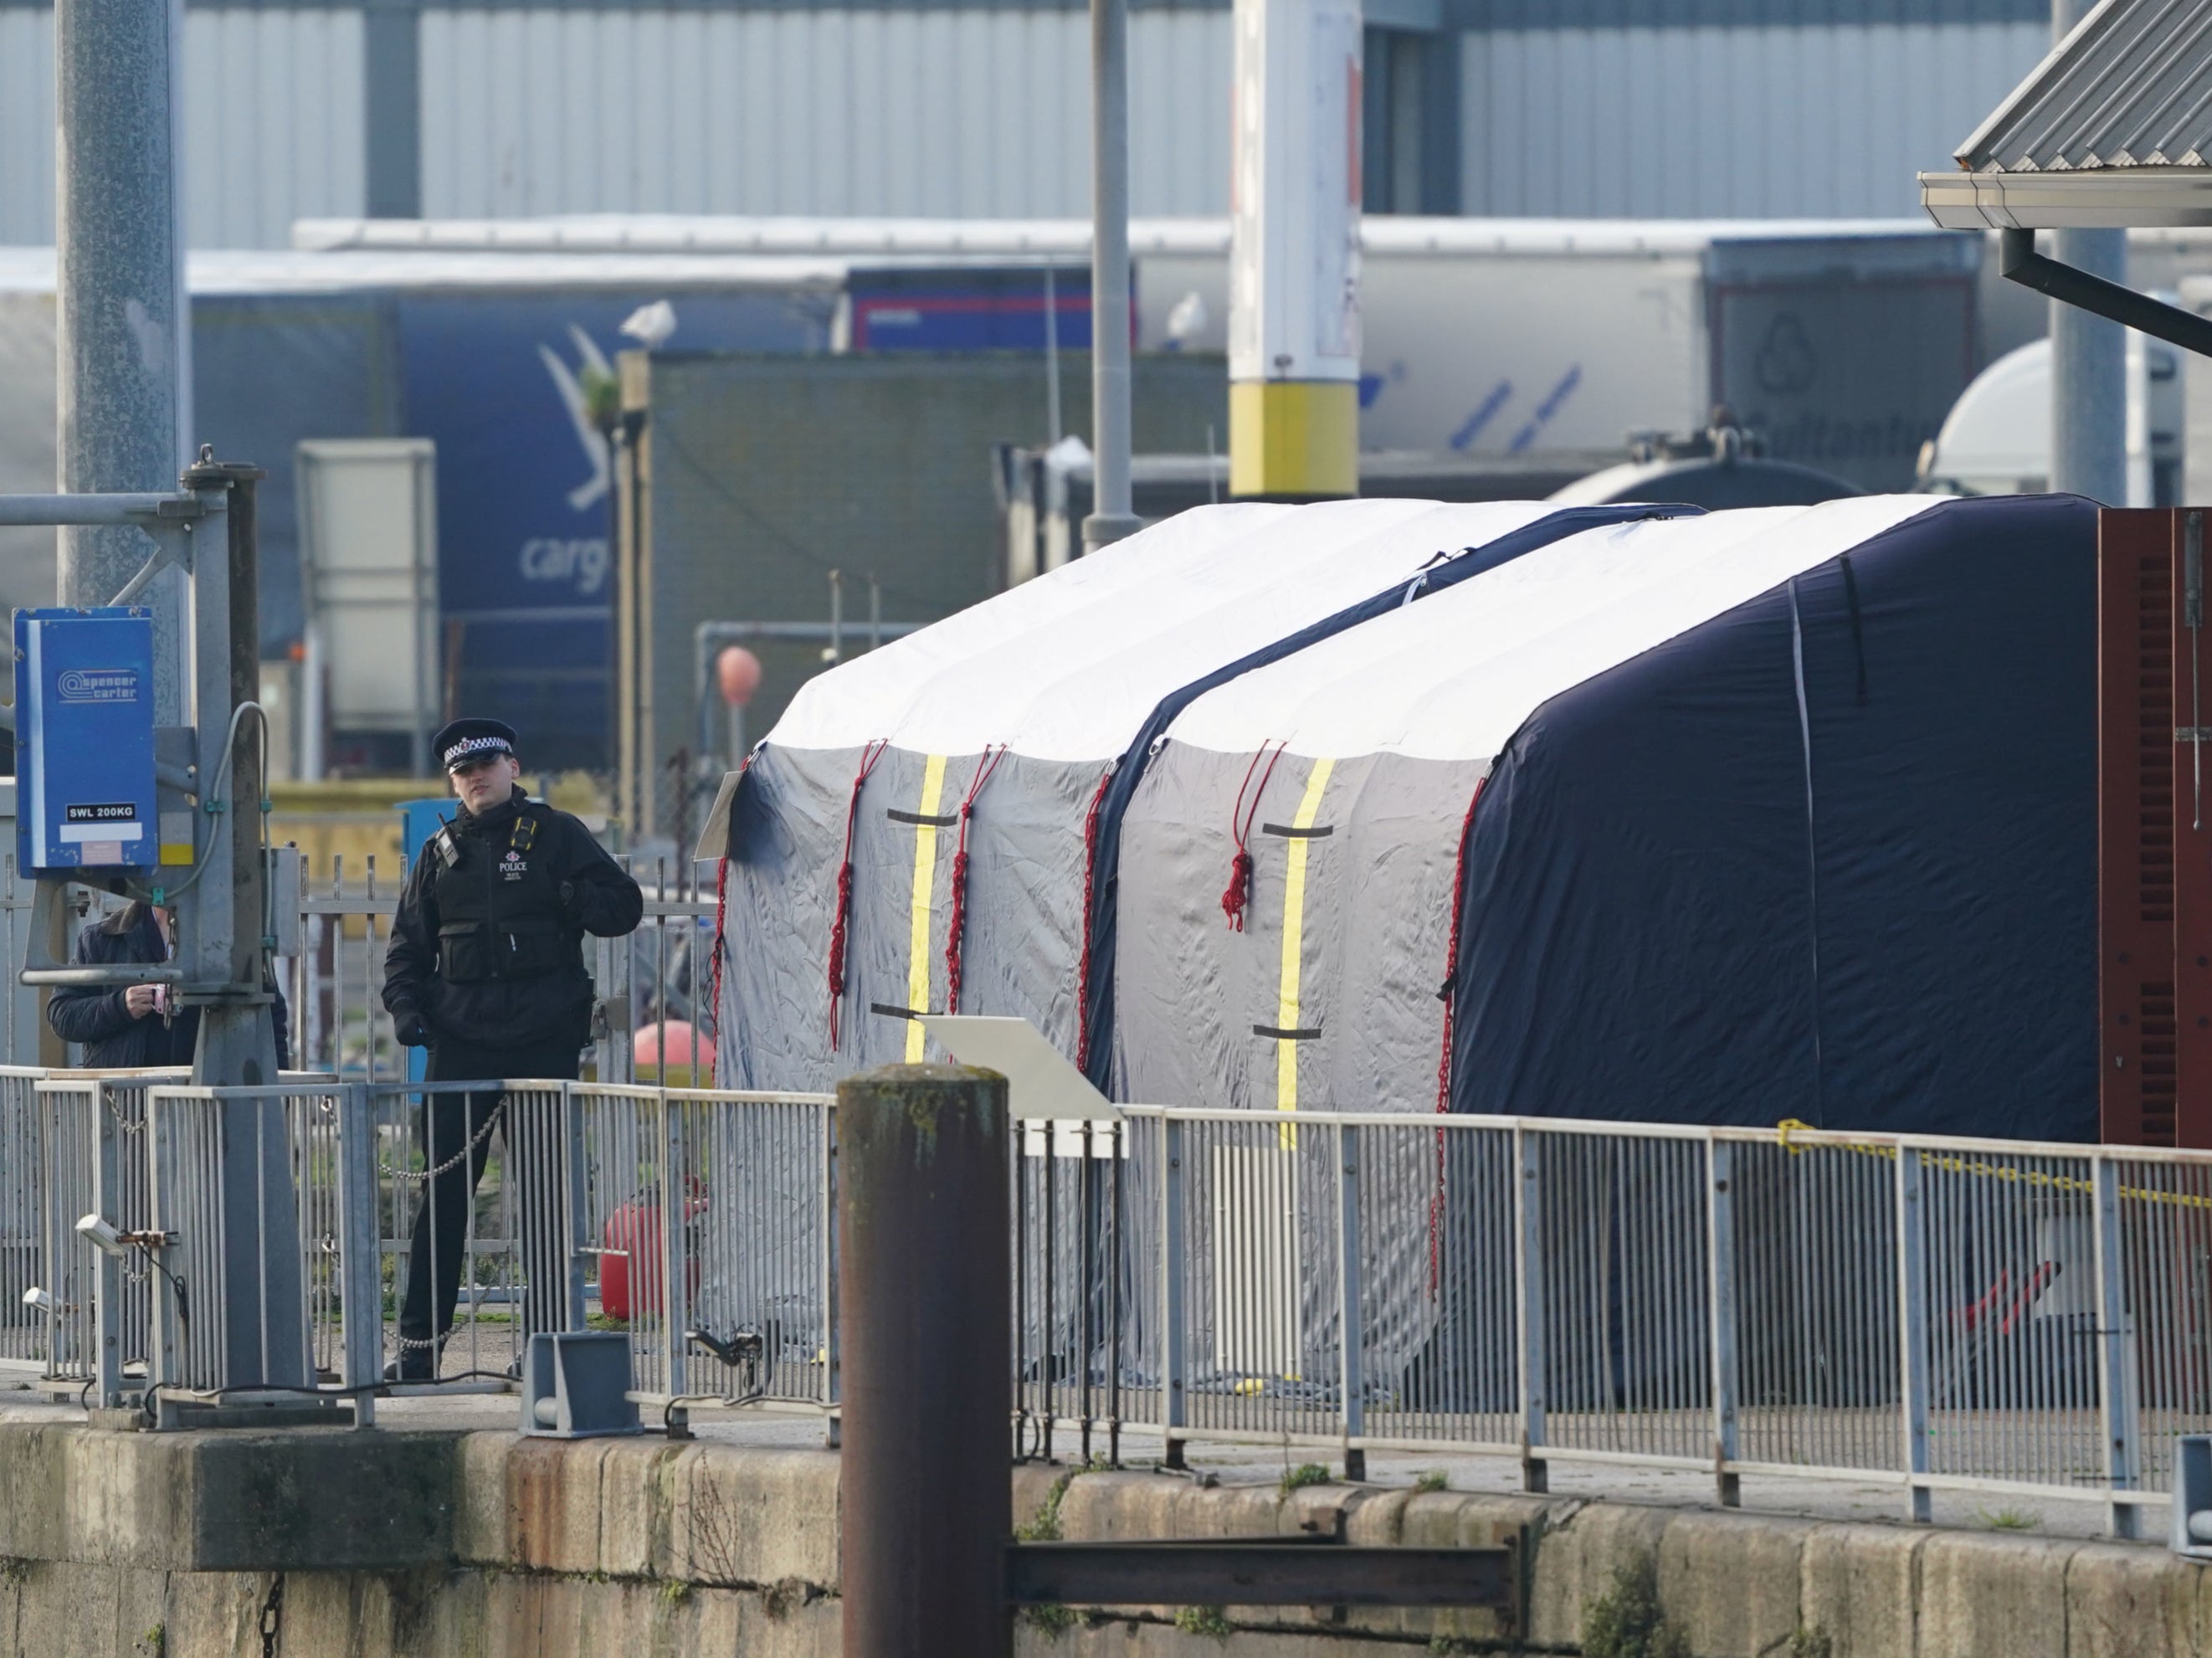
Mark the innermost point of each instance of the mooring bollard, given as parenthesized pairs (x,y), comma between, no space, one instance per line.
(923,1327)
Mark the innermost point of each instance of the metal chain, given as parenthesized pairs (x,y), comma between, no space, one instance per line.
(272,1617)
(108,1098)
(416,1177)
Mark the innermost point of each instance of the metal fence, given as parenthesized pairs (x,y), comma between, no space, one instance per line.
(1932,1314)
(1997,1317)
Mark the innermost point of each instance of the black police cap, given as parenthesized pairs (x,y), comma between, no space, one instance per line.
(462,740)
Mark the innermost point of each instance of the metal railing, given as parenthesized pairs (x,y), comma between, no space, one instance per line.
(688,1218)
(1933,1313)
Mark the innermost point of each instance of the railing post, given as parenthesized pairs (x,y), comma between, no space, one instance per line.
(1720,1223)
(1529,1305)
(1350,1381)
(675,1213)
(832,1390)
(164,1364)
(2119,1393)
(1912,1326)
(925,1509)
(361,1285)
(106,1327)
(1172,1405)
(575,1208)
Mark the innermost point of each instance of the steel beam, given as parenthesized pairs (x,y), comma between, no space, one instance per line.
(1269,1571)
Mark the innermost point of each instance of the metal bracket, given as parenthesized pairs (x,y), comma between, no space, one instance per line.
(1264,1571)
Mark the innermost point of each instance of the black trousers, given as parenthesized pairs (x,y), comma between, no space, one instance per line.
(448,1123)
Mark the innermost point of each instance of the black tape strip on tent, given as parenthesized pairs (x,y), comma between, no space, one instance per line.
(1129,770)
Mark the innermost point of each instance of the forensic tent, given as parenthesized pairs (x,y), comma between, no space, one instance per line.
(928,826)
(1782,812)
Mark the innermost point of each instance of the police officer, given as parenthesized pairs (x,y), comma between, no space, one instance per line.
(486,969)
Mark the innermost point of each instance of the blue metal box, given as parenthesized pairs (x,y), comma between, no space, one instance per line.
(84,740)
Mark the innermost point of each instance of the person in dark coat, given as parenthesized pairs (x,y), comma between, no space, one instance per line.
(486,969)
(126,1027)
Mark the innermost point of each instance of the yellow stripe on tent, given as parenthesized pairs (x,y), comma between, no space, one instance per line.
(925,880)
(1294,919)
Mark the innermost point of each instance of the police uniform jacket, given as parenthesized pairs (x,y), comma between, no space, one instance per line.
(488,943)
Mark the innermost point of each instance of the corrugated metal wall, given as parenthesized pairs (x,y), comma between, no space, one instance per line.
(970,113)
(272,124)
(1822,120)
(985,113)
(273,127)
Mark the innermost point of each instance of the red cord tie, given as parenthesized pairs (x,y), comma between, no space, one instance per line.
(870,755)
(984,768)
(1090,881)
(1239,889)
(722,918)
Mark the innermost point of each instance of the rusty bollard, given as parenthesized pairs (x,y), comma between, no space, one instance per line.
(926,1505)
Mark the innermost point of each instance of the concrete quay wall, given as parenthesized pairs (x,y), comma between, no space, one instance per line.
(330,1545)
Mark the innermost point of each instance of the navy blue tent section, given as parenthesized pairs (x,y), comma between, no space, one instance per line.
(1830,856)
(1129,770)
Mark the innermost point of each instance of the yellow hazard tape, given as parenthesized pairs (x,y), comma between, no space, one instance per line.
(1294,927)
(925,882)
(1981,1170)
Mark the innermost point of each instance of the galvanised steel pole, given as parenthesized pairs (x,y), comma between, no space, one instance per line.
(924,1331)
(2088,356)
(1113,513)
(124,336)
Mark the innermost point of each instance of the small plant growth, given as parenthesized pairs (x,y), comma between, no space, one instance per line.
(1811,1643)
(1203,1620)
(1626,1621)
(2010,1519)
(1306,1473)
(1052,1621)
(1435,1480)
(1043,1526)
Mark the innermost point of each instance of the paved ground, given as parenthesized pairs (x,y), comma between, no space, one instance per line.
(1262,1464)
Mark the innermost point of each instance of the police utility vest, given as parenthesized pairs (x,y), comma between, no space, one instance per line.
(499,915)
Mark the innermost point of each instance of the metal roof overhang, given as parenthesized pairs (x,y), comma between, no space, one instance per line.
(2101,197)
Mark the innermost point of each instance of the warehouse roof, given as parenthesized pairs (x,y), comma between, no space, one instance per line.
(2112,128)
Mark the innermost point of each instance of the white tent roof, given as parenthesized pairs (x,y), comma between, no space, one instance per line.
(1067,667)
(1454,676)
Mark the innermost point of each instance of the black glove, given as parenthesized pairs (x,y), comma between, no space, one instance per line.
(412,1031)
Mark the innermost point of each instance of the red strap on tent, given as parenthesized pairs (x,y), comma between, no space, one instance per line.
(984,768)
(1083,961)
(1240,827)
(869,755)
(1443,1064)
(721,922)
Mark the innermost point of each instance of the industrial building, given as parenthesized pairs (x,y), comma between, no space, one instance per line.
(1619,108)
